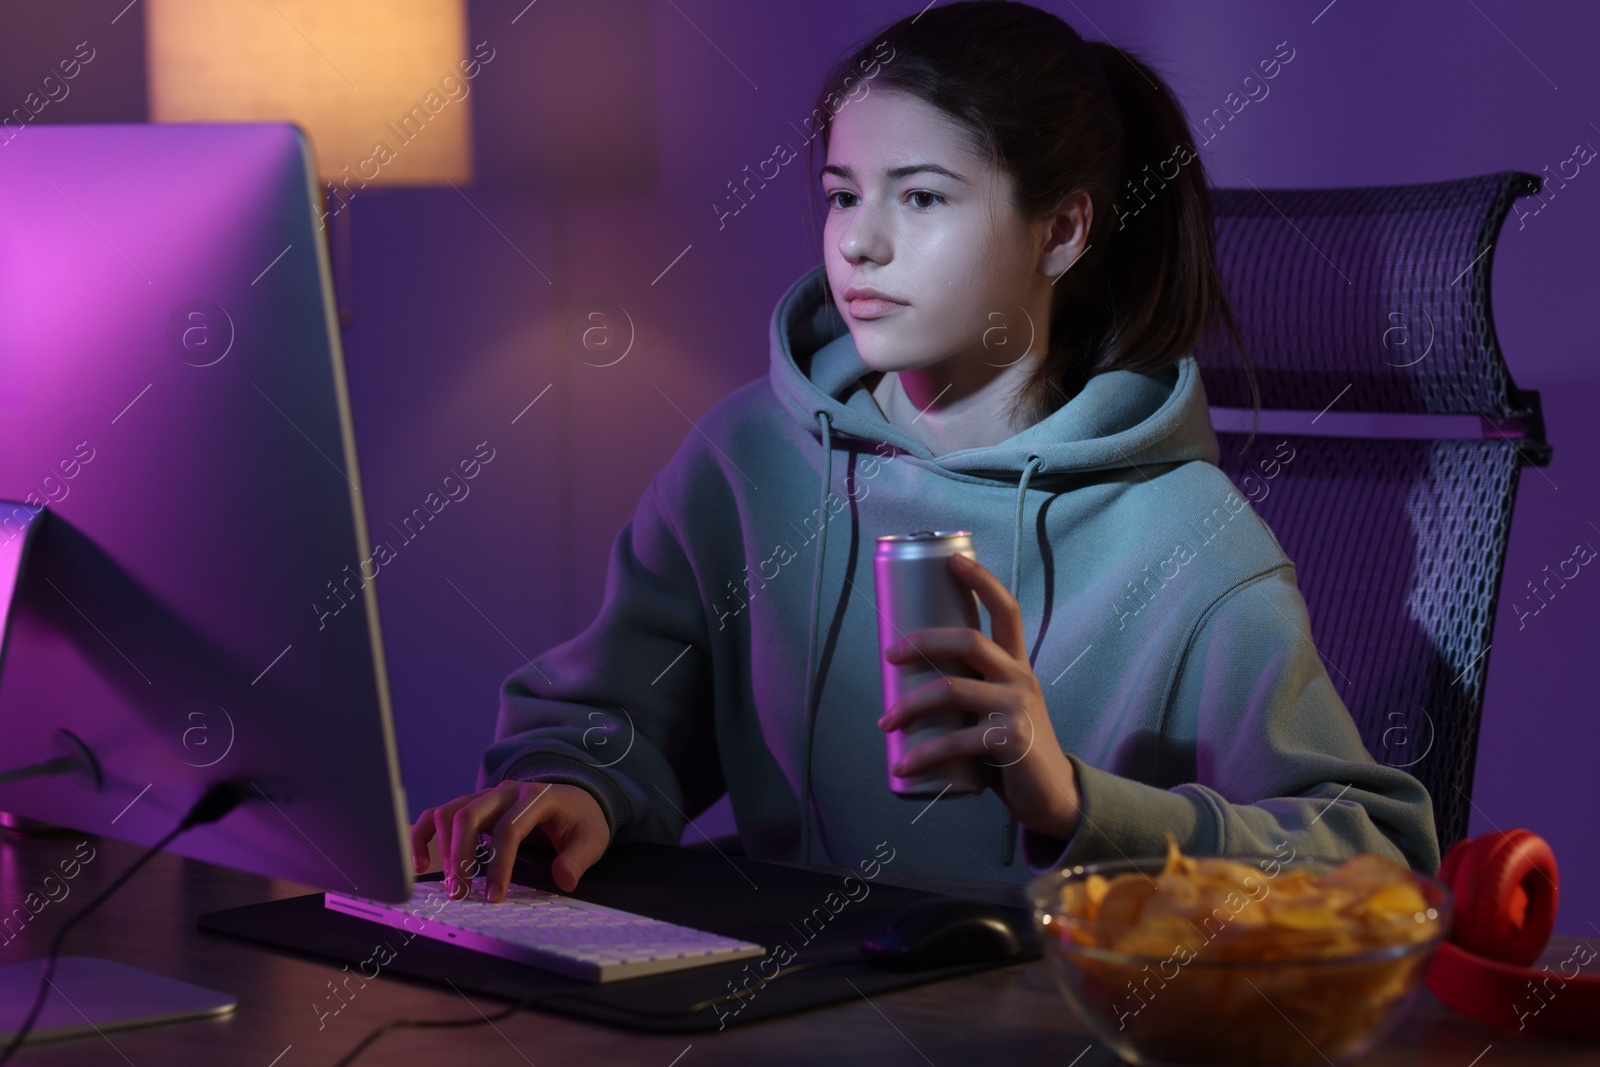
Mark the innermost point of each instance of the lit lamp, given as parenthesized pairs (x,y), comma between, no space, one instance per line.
(379,86)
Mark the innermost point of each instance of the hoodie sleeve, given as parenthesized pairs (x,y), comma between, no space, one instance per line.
(1279,760)
(624,708)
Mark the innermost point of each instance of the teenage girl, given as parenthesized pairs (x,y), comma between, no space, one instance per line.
(1017,261)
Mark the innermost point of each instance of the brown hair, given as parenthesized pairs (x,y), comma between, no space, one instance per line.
(1058,114)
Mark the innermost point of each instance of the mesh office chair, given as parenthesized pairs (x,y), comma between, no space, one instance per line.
(1376,299)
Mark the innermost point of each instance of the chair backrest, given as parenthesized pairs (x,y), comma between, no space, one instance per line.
(1377,300)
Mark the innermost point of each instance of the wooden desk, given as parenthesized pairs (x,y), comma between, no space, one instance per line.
(1014,1015)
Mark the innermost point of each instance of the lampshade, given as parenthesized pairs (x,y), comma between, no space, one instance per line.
(381,86)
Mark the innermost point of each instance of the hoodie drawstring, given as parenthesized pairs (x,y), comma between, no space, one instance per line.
(811,643)
(1008,822)
(1008,826)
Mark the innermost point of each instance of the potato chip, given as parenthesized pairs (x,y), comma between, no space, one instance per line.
(1095,886)
(1123,900)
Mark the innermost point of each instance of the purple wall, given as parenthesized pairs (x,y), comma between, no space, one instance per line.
(607,131)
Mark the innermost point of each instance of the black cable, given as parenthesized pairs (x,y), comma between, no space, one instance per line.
(528,1002)
(212,805)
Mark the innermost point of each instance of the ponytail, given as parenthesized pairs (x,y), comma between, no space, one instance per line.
(1159,276)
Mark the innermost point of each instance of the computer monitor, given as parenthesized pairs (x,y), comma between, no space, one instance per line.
(196,601)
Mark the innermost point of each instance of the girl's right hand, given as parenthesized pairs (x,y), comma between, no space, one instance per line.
(508,812)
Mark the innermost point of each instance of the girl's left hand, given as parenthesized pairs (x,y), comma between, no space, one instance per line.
(1040,784)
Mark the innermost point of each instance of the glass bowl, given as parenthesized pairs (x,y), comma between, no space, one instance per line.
(1177,1007)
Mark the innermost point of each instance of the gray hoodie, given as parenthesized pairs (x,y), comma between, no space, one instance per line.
(736,646)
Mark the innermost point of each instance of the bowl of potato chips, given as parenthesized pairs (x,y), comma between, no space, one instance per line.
(1256,961)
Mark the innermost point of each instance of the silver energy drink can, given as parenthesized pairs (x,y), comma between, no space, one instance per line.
(917,591)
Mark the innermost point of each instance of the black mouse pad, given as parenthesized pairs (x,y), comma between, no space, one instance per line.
(816,914)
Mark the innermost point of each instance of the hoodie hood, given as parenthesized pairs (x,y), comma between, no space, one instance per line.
(1121,418)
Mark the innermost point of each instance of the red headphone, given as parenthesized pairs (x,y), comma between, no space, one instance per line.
(1505,886)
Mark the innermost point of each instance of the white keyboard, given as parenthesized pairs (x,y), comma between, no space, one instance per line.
(550,931)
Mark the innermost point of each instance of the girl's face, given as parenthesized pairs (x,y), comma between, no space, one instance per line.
(914,214)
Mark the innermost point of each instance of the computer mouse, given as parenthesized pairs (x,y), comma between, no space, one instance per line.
(942,932)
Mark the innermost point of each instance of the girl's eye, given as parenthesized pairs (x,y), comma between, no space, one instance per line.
(934,197)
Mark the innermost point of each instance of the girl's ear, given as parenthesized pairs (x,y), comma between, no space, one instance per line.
(1067,234)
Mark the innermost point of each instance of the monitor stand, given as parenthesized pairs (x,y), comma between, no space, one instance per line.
(91,996)
(18,523)
(87,995)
